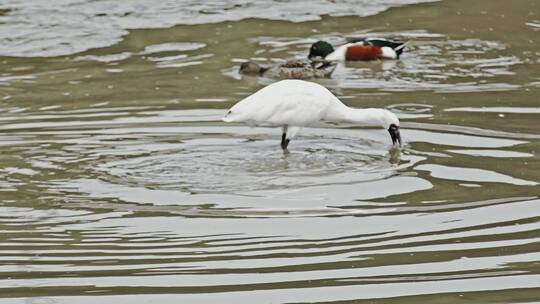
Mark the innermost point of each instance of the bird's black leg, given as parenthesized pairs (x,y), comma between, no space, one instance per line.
(284,141)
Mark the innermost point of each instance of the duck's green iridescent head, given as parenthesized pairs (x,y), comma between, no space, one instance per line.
(320,49)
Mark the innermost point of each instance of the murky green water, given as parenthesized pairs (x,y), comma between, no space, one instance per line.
(119,182)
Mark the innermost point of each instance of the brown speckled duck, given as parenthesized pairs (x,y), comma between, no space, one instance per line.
(292,69)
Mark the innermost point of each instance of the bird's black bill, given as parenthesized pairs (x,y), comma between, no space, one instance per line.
(394,133)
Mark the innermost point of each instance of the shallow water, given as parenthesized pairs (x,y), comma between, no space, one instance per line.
(119,181)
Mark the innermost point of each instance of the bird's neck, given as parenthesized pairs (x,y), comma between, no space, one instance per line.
(370,117)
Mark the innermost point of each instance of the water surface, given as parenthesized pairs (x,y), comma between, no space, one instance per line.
(119,182)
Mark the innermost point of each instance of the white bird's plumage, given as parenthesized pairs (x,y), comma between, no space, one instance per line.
(388,53)
(339,54)
(287,102)
(293,104)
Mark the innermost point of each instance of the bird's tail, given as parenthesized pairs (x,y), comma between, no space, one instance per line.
(399,48)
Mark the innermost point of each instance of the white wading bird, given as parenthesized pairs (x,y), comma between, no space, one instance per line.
(293,104)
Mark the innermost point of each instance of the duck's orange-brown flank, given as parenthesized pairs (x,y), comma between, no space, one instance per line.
(363,52)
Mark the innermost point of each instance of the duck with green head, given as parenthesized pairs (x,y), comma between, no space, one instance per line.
(358,50)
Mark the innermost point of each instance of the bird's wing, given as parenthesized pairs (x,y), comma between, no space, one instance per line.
(297,63)
(280,108)
(381,42)
(295,109)
(287,102)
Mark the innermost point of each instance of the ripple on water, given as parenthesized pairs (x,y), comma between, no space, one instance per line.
(172,47)
(250,175)
(175,202)
(200,161)
(472,175)
(320,259)
(237,165)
